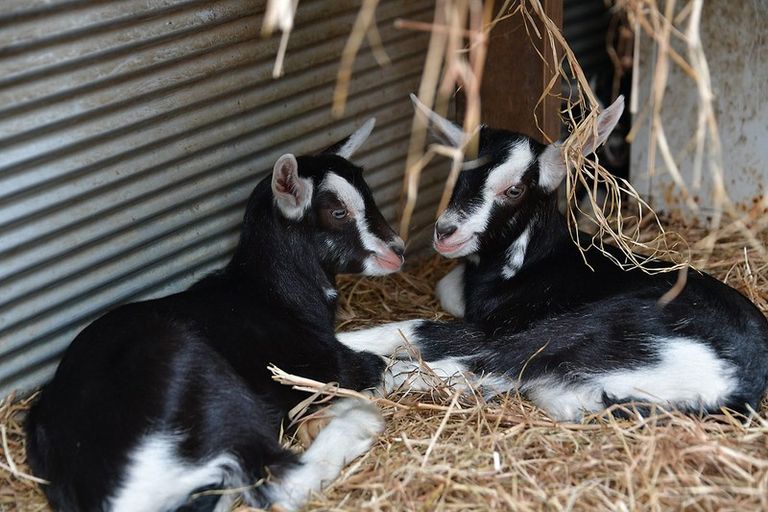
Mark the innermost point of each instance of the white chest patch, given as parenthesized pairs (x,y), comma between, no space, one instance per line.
(450,292)
(516,254)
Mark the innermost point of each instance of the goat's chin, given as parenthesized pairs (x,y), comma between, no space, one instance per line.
(456,250)
(380,266)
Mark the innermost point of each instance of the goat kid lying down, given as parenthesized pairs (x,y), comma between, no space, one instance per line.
(536,319)
(159,400)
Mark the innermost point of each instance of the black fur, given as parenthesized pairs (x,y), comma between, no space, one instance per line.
(196,362)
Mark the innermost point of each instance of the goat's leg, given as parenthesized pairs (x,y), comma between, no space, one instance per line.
(353,428)
(382,340)
(431,339)
(446,352)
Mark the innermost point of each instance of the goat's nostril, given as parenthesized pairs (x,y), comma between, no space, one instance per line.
(398,249)
(443,231)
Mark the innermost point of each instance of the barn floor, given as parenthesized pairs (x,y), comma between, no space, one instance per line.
(446,453)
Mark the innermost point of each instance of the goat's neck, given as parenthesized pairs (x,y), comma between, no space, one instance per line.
(278,259)
(540,236)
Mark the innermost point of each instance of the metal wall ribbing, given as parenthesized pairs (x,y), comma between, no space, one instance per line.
(131,133)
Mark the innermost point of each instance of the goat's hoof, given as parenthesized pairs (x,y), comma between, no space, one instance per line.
(308,430)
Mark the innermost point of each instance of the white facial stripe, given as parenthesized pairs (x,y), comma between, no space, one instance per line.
(346,193)
(511,170)
(516,254)
(354,202)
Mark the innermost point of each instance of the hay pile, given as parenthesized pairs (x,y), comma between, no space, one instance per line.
(450,453)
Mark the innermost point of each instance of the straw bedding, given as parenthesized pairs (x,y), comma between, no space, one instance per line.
(445,452)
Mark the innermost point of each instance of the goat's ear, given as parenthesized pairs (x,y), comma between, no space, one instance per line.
(447,132)
(346,147)
(606,122)
(552,167)
(293,194)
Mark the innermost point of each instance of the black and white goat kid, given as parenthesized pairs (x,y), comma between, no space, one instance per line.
(536,319)
(158,400)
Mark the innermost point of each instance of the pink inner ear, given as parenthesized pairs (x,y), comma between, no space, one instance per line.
(286,185)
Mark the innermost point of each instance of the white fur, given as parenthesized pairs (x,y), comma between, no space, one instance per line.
(450,291)
(330,293)
(156,479)
(345,192)
(355,204)
(357,139)
(689,374)
(350,433)
(292,206)
(552,167)
(508,173)
(516,254)
(383,340)
(511,170)
(564,402)
(424,376)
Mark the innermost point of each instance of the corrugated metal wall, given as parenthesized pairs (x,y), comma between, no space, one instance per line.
(131,132)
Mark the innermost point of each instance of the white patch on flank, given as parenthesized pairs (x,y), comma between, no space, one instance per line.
(689,375)
(516,254)
(382,340)
(356,139)
(350,433)
(509,172)
(330,293)
(450,292)
(156,479)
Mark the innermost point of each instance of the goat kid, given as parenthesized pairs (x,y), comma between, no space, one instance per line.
(158,401)
(537,319)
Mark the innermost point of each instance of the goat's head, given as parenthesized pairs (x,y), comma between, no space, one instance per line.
(327,195)
(511,180)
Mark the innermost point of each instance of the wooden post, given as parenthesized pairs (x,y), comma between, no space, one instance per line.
(515,76)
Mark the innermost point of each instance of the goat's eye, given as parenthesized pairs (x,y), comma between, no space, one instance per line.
(339,214)
(515,191)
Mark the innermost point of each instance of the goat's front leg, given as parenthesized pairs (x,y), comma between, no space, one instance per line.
(445,351)
(383,340)
(432,339)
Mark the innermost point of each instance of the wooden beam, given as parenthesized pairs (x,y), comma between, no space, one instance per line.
(515,76)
